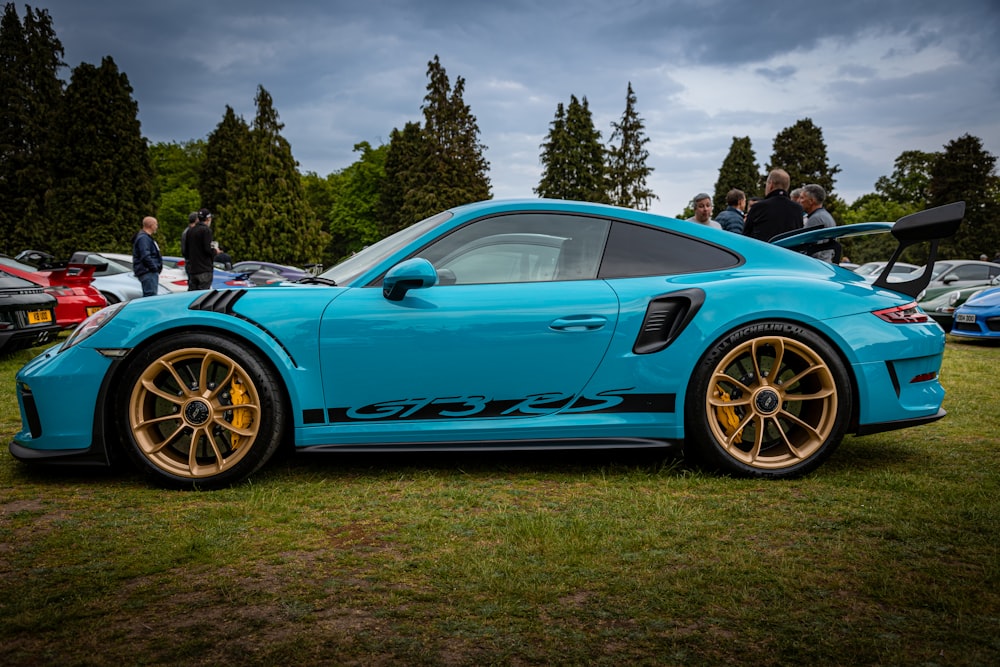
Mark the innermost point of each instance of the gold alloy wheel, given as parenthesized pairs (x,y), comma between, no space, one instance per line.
(194,413)
(772,402)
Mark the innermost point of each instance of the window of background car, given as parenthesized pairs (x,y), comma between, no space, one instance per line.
(520,247)
(635,250)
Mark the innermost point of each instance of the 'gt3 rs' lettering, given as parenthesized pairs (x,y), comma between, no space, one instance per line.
(461,407)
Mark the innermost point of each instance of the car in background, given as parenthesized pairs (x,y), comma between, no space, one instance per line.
(979,317)
(941,307)
(173,279)
(221,279)
(950,274)
(76,298)
(115,281)
(504,325)
(872,270)
(27,314)
(289,273)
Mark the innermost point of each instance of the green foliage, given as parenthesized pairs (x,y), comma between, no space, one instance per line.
(402,165)
(739,171)
(227,144)
(910,179)
(353,218)
(627,168)
(175,169)
(103,182)
(572,156)
(801,151)
(878,247)
(30,90)
(267,216)
(966,172)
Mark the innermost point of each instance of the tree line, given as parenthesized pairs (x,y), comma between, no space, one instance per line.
(76,172)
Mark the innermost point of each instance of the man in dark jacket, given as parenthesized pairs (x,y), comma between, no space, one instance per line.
(776,213)
(146,260)
(732,218)
(200,253)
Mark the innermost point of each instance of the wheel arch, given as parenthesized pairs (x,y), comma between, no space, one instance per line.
(113,383)
(822,332)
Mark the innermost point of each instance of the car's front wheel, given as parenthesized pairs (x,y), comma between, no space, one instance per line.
(769,400)
(199,412)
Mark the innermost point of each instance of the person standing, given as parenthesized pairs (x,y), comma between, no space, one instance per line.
(192,219)
(703,211)
(146,259)
(732,218)
(776,213)
(812,199)
(200,256)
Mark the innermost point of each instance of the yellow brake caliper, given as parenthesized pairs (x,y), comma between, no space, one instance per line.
(727,416)
(241,417)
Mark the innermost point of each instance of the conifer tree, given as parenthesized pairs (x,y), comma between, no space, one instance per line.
(175,173)
(102,183)
(572,157)
(402,163)
(226,146)
(739,171)
(30,91)
(965,171)
(627,155)
(267,216)
(801,151)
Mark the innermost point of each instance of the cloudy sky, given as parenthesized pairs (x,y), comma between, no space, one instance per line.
(879,77)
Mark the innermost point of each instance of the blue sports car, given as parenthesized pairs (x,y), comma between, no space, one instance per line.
(979,316)
(505,325)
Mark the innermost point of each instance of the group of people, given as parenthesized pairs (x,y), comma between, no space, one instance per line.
(778,211)
(198,248)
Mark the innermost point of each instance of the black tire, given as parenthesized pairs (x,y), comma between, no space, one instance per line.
(742,419)
(203,390)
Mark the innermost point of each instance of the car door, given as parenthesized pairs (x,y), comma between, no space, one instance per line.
(515,329)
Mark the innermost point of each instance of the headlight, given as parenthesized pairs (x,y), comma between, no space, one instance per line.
(953,298)
(92,325)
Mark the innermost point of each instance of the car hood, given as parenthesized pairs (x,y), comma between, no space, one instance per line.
(987,298)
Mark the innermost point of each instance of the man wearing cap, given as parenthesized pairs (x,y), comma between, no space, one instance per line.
(703,211)
(200,253)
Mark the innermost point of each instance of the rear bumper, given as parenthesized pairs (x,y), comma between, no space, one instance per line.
(869,429)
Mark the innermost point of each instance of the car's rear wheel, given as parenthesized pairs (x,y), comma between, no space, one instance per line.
(199,412)
(769,400)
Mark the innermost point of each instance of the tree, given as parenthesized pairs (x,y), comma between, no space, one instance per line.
(910,180)
(266,216)
(572,156)
(966,172)
(175,171)
(402,165)
(627,168)
(801,151)
(739,171)
(353,218)
(102,178)
(30,90)
(227,144)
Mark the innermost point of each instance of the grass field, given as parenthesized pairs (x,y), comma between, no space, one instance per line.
(888,555)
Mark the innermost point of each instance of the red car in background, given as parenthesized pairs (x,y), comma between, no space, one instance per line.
(76,298)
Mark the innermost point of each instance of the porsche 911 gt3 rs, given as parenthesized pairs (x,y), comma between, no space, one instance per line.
(505,325)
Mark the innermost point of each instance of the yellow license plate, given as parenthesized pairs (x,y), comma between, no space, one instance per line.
(92,310)
(39,316)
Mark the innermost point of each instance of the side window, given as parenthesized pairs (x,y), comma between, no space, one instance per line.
(519,248)
(635,250)
(971,272)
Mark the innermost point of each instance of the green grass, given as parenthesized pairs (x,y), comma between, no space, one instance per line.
(888,555)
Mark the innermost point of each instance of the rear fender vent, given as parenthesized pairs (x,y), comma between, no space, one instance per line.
(666,317)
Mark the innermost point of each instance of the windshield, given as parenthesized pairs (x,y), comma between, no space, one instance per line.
(352,267)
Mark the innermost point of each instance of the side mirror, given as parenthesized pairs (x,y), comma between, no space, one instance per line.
(416,273)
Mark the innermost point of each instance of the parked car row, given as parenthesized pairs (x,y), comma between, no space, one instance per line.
(76,298)
(27,313)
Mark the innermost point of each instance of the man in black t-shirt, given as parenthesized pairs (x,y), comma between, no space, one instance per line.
(200,253)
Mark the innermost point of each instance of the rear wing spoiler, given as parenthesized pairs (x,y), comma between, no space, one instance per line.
(930,225)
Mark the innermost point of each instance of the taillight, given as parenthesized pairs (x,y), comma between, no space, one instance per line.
(908,313)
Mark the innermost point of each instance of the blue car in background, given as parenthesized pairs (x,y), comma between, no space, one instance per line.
(220,279)
(505,325)
(979,317)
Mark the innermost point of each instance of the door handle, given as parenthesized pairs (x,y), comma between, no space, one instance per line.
(579,323)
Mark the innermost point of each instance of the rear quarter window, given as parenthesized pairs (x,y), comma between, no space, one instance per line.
(635,250)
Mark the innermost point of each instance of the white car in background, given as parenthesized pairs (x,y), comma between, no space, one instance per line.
(114,280)
(173,279)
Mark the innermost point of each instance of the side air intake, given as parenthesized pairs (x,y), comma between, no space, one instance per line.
(666,317)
